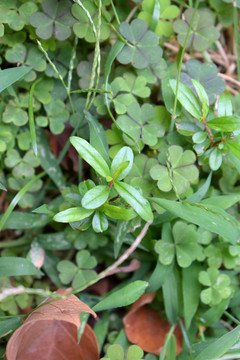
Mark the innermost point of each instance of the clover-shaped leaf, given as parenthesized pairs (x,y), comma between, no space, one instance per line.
(15,17)
(139,175)
(55,19)
(224,12)
(167,12)
(30,56)
(144,49)
(180,173)
(126,88)
(137,124)
(22,168)
(116,352)
(219,254)
(207,75)
(89,239)
(80,273)
(57,115)
(6,136)
(15,115)
(202,32)
(154,73)
(83,27)
(182,243)
(218,286)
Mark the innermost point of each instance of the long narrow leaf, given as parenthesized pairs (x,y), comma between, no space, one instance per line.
(31,118)
(10,76)
(217,220)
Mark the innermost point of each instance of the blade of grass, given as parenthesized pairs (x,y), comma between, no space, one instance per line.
(31,118)
(236,37)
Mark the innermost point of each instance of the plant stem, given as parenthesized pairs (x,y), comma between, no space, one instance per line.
(116,264)
(208,131)
(236,321)
(180,65)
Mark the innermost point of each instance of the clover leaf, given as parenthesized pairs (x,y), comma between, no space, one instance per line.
(116,352)
(15,17)
(28,57)
(219,254)
(180,173)
(143,49)
(154,73)
(167,12)
(202,32)
(218,286)
(182,244)
(89,239)
(15,115)
(224,12)
(83,27)
(137,123)
(124,91)
(139,175)
(77,274)
(55,19)
(57,115)
(207,75)
(6,136)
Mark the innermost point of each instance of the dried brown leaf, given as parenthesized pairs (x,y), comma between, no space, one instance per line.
(145,328)
(50,332)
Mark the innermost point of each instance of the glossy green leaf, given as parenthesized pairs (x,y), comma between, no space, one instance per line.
(202,96)
(95,197)
(224,105)
(123,297)
(10,76)
(215,159)
(135,199)
(123,155)
(225,123)
(72,214)
(118,213)
(16,266)
(20,220)
(191,289)
(9,325)
(211,219)
(97,136)
(120,169)
(234,147)
(90,155)
(200,193)
(99,222)
(220,346)
(187,98)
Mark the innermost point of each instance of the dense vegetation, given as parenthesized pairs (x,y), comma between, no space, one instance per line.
(120,178)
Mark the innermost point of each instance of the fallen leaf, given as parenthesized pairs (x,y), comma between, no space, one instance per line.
(145,328)
(50,332)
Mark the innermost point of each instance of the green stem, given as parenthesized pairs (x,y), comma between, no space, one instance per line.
(115,12)
(236,321)
(71,64)
(163,352)
(236,37)
(180,65)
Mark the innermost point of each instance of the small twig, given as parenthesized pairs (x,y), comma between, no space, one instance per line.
(229,78)
(208,130)
(126,254)
(222,53)
(132,12)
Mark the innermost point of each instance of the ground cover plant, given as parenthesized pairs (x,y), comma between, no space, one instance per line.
(119,179)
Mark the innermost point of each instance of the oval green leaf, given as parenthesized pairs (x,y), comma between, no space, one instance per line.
(118,213)
(16,266)
(123,297)
(90,155)
(225,123)
(95,197)
(72,214)
(135,199)
(123,155)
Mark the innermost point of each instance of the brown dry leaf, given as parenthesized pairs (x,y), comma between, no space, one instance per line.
(50,333)
(145,328)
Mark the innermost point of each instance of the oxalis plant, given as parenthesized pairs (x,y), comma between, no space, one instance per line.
(119,178)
